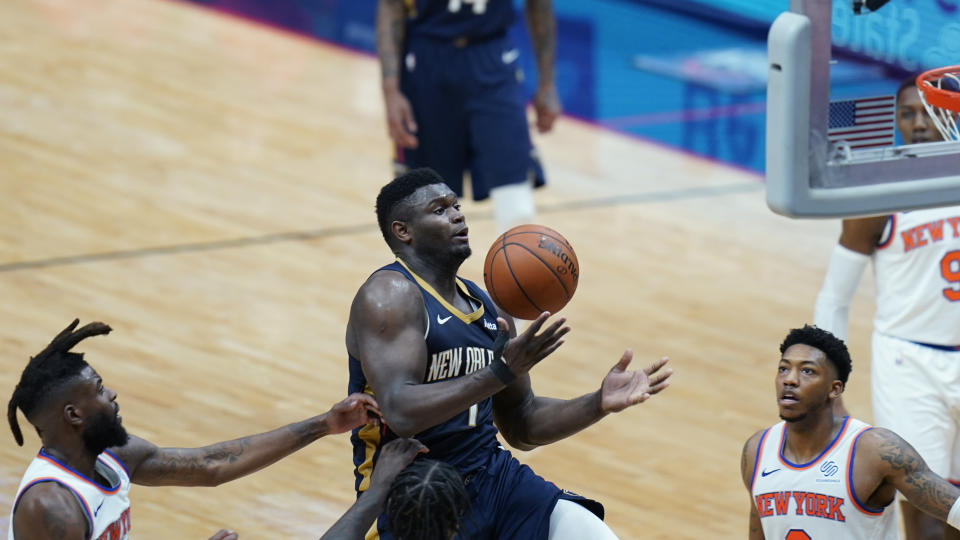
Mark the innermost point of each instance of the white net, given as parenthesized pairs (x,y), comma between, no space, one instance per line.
(945,119)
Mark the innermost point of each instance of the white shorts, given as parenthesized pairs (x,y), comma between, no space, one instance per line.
(915,392)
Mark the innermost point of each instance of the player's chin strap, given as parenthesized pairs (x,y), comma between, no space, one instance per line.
(499,365)
(872,5)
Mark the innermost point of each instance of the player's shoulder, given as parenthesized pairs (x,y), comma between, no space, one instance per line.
(48,504)
(748,455)
(873,438)
(387,291)
(753,441)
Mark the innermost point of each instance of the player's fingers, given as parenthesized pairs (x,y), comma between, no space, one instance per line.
(555,329)
(503,325)
(408,121)
(654,367)
(624,361)
(657,388)
(547,351)
(545,119)
(364,399)
(661,377)
(224,534)
(536,324)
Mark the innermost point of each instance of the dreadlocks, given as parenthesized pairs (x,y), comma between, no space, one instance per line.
(427,501)
(48,371)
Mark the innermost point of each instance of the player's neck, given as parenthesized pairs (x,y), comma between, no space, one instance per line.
(442,276)
(73,455)
(808,438)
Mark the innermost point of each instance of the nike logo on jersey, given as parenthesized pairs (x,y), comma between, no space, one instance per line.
(509,56)
(443,320)
(768,473)
(98,509)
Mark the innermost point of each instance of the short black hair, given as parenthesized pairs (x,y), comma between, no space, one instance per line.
(909,82)
(832,347)
(427,501)
(395,192)
(49,371)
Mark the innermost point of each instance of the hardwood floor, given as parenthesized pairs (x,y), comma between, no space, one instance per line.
(205,186)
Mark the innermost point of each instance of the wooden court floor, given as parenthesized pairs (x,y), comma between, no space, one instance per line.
(205,186)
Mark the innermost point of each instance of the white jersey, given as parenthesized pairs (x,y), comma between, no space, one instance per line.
(917,269)
(107,510)
(815,500)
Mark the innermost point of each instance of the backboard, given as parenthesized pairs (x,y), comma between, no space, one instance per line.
(809,176)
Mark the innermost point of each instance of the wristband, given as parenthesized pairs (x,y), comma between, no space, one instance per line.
(953,518)
(502,371)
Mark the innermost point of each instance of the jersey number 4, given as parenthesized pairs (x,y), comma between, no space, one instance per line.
(950,270)
(479,6)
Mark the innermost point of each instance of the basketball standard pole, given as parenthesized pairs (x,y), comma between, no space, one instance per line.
(819,12)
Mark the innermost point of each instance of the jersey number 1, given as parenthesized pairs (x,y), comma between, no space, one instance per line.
(472,420)
(479,6)
(950,270)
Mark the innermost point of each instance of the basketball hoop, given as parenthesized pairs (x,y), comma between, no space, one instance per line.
(940,91)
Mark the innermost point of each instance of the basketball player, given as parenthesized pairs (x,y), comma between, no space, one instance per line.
(454,96)
(77,486)
(816,475)
(426,500)
(395,457)
(422,340)
(915,368)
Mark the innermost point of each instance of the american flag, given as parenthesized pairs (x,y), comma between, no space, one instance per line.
(863,123)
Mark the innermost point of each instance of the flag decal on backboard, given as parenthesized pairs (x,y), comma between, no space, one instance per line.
(864,122)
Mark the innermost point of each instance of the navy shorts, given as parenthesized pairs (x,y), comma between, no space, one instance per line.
(470,110)
(508,501)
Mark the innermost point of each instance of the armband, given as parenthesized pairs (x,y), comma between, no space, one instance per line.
(839,284)
(502,371)
(953,518)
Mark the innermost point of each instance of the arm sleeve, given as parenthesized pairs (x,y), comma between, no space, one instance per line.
(839,284)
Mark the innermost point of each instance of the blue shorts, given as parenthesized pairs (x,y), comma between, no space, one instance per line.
(508,501)
(470,110)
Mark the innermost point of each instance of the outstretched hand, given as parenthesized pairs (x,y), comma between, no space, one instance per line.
(394,458)
(526,350)
(356,410)
(622,388)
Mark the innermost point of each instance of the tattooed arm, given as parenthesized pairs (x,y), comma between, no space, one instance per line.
(747,461)
(390,36)
(903,468)
(543,34)
(222,462)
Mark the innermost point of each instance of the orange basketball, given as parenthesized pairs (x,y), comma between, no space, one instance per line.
(531,269)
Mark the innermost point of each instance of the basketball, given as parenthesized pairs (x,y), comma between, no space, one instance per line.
(531,269)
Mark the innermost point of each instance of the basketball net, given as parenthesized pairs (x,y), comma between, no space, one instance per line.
(940,92)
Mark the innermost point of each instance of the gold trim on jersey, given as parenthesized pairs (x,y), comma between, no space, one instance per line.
(370,435)
(465,317)
(410,7)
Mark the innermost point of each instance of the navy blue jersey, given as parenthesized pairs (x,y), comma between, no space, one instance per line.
(458,344)
(450,19)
